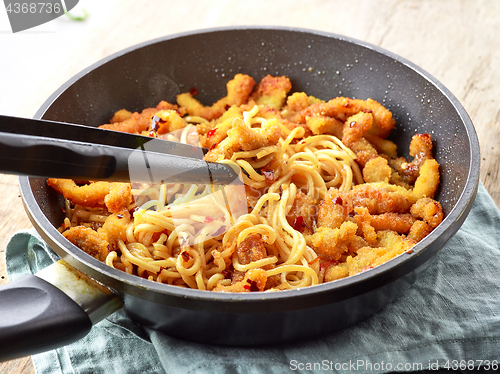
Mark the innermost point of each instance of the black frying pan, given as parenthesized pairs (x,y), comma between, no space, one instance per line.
(323,65)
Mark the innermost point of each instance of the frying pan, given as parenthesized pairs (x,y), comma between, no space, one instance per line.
(323,65)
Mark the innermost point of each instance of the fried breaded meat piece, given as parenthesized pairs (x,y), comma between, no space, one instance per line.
(114,196)
(238,90)
(243,138)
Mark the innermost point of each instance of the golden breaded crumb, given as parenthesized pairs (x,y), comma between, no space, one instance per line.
(115,227)
(112,195)
(254,280)
(271,91)
(238,90)
(428,210)
(243,138)
(331,244)
(377,170)
(325,125)
(89,241)
(428,179)
(120,116)
(333,209)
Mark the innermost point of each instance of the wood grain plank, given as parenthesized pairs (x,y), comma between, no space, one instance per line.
(23,365)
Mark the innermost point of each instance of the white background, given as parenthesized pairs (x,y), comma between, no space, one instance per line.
(28,58)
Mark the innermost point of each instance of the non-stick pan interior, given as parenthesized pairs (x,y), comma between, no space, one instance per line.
(323,65)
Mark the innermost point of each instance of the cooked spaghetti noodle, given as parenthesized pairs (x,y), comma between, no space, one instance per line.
(324,196)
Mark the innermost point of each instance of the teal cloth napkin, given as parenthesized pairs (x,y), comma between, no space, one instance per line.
(450,318)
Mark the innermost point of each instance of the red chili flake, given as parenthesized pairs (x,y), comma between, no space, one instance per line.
(327,264)
(185,256)
(254,287)
(367,267)
(193,91)
(225,273)
(313,261)
(208,219)
(269,175)
(211,133)
(337,200)
(298,223)
(213,146)
(251,286)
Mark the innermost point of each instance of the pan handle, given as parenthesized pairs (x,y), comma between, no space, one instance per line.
(53,308)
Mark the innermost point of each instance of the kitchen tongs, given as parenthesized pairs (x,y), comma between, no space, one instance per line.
(42,148)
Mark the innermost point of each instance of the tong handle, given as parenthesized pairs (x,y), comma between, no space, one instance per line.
(56,158)
(94,135)
(87,153)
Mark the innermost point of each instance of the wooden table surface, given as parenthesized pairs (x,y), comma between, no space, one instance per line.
(454,40)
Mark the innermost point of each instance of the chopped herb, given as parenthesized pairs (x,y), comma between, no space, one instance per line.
(77,18)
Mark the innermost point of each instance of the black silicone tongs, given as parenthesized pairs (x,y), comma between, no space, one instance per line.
(42,148)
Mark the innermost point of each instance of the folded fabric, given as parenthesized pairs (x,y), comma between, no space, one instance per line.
(450,319)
